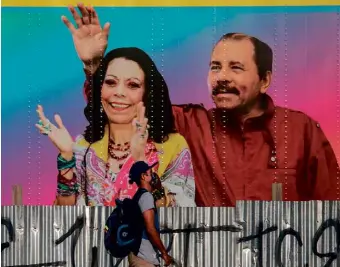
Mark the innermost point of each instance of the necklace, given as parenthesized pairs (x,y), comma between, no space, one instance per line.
(118,147)
(113,148)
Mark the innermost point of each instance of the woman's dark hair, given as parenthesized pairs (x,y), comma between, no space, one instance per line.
(156,98)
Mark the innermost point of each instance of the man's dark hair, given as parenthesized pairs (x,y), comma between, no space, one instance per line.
(263,54)
(138,182)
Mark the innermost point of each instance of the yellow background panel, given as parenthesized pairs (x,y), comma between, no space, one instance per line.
(156,3)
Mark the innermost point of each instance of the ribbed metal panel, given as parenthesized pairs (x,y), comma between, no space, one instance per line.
(208,244)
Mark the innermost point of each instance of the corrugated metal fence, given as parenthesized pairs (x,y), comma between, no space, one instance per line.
(248,235)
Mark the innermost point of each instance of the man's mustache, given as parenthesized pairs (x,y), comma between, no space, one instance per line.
(220,89)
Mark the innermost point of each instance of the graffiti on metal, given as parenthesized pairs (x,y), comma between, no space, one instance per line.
(282,234)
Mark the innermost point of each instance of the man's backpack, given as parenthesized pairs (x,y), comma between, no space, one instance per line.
(124,227)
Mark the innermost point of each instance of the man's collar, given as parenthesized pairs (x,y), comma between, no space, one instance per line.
(268,106)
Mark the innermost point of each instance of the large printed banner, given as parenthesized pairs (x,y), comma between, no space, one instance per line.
(276,234)
(40,66)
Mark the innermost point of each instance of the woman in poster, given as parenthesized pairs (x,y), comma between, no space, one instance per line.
(130,119)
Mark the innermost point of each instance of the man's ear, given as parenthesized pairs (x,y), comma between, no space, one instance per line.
(265,83)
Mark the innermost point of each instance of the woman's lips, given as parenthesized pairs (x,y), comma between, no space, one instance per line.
(119,106)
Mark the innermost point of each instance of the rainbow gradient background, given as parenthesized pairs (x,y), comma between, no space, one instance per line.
(40,66)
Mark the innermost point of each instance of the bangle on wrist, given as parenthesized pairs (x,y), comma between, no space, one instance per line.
(65,164)
(158,193)
(66,187)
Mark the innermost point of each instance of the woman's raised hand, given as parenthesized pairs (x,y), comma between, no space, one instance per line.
(59,135)
(89,38)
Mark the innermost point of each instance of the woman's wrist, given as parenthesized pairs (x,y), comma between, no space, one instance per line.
(91,66)
(67,187)
(66,161)
(67,155)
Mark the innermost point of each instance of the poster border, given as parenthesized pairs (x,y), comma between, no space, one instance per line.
(169,3)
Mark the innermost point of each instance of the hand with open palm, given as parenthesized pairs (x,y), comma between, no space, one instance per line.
(59,136)
(90,39)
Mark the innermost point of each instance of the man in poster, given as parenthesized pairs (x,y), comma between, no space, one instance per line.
(245,148)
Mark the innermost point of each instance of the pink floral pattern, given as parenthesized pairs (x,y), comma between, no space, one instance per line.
(102,191)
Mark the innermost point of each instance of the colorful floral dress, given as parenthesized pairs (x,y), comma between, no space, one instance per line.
(102,188)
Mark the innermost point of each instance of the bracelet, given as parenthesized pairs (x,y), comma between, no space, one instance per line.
(66,187)
(158,193)
(65,164)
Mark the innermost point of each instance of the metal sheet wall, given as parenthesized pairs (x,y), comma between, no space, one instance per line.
(199,237)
